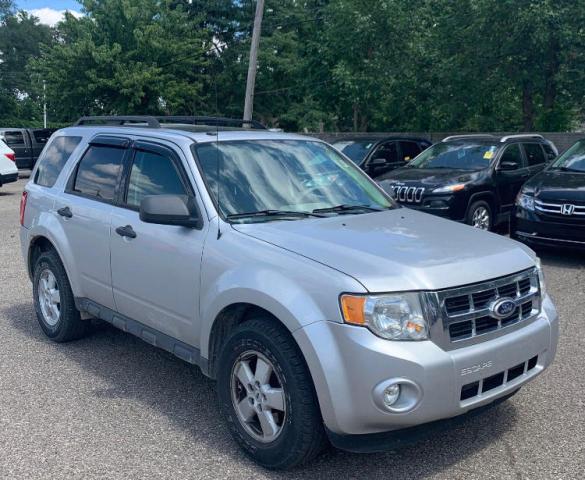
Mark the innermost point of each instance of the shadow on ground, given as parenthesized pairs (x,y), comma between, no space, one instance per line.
(156,380)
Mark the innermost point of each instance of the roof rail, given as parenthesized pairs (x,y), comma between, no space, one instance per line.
(158,121)
(119,120)
(521,135)
(210,121)
(470,136)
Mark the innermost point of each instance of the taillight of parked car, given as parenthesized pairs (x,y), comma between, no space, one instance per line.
(11,156)
(23,206)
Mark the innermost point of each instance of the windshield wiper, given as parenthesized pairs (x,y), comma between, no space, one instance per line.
(567,169)
(272,213)
(347,208)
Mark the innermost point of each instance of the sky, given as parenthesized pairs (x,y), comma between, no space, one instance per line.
(48,11)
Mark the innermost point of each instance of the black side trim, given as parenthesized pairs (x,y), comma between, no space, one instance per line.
(158,339)
(110,141)
(384,441)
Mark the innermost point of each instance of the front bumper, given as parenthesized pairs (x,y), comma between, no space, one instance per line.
(442,205)
(530,228)
(347,363)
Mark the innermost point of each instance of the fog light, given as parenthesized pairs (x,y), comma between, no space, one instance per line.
(391,394)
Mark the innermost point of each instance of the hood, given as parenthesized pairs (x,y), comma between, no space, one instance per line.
(558,185)
(398,250)
(431,177)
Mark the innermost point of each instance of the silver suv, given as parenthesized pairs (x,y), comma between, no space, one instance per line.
(325,311)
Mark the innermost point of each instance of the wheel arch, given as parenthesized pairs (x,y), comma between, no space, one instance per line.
(486,196)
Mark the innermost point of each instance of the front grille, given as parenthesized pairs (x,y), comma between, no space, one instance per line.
(408,194)
(484,385)
(470,311)
(559,209)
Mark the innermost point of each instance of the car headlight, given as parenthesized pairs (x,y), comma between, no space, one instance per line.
(450,188)
(525,201)
(397,316)
(540,277)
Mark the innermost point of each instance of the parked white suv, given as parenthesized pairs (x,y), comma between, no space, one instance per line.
(325,311)
(8,169)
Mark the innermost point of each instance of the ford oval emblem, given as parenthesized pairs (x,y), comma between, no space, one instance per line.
(502,308)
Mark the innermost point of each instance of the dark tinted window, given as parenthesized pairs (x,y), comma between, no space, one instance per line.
(409,150)
(534,154)
(13,138)
(54,159)
(548,150)
(513,154)
(354,149)
(152,174)
(387,151)
(42,135)
(97,174)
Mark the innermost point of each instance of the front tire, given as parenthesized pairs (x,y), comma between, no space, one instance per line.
(267,396)
(479,215)
(54,301)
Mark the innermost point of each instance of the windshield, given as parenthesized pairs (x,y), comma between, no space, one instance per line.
(355,149)
(285,176)
(457,155)
(573,159)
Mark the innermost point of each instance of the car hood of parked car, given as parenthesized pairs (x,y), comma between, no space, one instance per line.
(427,177)
(558,185)
(398,250)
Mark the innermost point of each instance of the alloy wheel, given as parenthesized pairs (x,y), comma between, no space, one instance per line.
(481,218)
(49,297)
(258,396)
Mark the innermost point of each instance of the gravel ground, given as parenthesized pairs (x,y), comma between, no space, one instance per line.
(111,406)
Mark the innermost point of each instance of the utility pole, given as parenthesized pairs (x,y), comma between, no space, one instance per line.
(45,103)
(251,82)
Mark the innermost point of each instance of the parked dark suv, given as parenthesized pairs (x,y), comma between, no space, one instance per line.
(550,209)
(377,156)
(470,178)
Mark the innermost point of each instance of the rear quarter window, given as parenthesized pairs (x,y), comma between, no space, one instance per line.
(54,159)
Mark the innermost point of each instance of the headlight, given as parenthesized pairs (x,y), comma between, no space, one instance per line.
(450,188)
(541,277)
(394,316)
(525,201)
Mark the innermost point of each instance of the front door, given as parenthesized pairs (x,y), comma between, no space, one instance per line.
(156,268)
(509,182)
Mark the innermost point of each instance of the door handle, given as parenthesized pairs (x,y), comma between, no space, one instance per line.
(126,231)
(65,212)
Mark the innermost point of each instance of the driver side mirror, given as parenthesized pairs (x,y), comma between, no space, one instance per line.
(178,210)
(377,162)
(508,165)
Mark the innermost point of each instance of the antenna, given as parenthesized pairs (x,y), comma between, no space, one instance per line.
(217,163)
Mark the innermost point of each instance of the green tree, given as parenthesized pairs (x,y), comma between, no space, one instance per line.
(127,56)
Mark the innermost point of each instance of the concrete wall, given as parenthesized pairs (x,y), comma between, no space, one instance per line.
(560,139)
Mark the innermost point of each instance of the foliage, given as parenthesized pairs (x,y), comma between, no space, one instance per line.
(386,65)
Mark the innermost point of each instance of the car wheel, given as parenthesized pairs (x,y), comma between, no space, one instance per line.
(267,396)
(479,215)
(54,301)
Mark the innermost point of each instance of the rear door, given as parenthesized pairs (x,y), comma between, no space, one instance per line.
(155,271)
(509,182)
(19,142)
(535,157)
(85,210)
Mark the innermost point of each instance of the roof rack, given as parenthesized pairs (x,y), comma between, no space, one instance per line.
(521,135)
(463,137)
(159,121)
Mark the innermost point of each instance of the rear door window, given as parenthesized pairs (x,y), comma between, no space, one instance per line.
(534,154)
(13,138)
(54,159)
(98,172)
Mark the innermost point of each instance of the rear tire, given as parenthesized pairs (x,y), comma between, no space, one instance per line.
(295,428)
(479,215)
(54,301)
